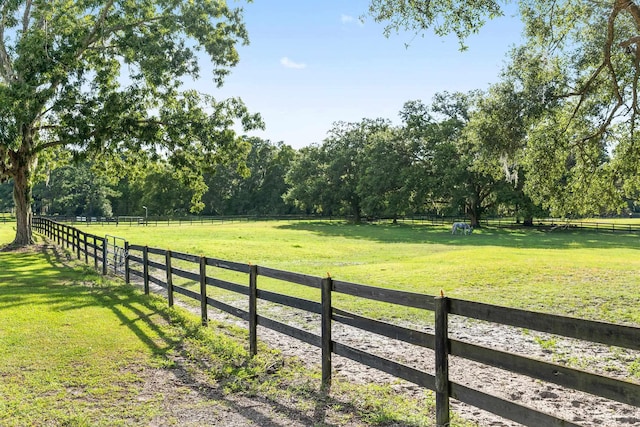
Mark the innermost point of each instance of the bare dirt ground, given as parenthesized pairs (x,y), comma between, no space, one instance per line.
(580,408)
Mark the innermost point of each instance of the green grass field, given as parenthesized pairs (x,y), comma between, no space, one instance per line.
(588,274)
(78,349)
(67,345)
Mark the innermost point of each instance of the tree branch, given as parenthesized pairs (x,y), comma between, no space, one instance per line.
(5,62)
(632,8)
(630,41)
(605,64)
(26,16)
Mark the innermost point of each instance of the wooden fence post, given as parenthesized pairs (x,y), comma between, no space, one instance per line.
(169,278)
(105,242)
(327,311)
(203,291)
(77,238)
(127,272)
(253,310)
(95,252)
(145,269)
(442,361)
(86,252)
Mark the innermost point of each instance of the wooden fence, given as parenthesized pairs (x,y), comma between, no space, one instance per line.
(545,223)
(153,265)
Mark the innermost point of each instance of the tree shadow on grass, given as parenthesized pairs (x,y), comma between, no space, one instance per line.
(513,237)
(47,278)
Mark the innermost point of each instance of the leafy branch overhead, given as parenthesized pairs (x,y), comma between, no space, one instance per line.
(104,77)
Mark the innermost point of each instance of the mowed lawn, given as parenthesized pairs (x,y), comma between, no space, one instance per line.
(78,349)
(587,274)
(74,349)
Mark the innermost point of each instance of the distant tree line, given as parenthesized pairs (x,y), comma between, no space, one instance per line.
(438,161)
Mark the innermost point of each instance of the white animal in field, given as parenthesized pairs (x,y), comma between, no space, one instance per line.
(462,226)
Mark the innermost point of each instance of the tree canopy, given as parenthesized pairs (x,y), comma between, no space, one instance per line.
(104,78)
(570,90)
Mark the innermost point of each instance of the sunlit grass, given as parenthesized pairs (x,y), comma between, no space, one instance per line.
(75,346)
(577,272)
(67,343)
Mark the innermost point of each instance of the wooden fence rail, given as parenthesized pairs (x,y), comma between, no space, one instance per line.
(161,271)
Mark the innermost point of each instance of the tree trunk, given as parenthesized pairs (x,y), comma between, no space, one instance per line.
(23,163)
(474,220)
(473,211)
(22,199)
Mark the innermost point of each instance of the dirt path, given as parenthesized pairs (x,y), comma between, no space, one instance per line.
(580,408)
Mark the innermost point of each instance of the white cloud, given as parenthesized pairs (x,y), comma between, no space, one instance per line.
(346,19)
(349,20)
(287,63)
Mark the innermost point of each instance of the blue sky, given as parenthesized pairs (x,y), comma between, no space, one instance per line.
(311,63)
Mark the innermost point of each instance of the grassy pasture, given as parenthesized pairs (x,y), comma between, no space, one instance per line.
(78,349)
(594,275)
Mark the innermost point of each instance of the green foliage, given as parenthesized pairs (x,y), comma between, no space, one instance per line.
(431,163)
(565,114)
(102,79)
(255,186)
(443,16)
(72,190)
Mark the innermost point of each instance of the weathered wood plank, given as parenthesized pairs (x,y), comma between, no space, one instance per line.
(135,259)
(588,330)
(325,327)
(442,360)
(229,286)
(407,299)
(395,332)
(186,292)
(234,311)
(507,409)
(203,292)
(157,251)
(609,388)
(169,279)
(157,281)
(291,331)
(287,276)
(289,301)
(253,311)
(158,265)
(185,274)
(185,257)
(228,265)
(396,369)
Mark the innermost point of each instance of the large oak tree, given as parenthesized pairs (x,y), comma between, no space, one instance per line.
(577,73)
(103,78)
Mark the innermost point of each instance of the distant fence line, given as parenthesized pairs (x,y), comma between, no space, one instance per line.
(146,263)
(545,223)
